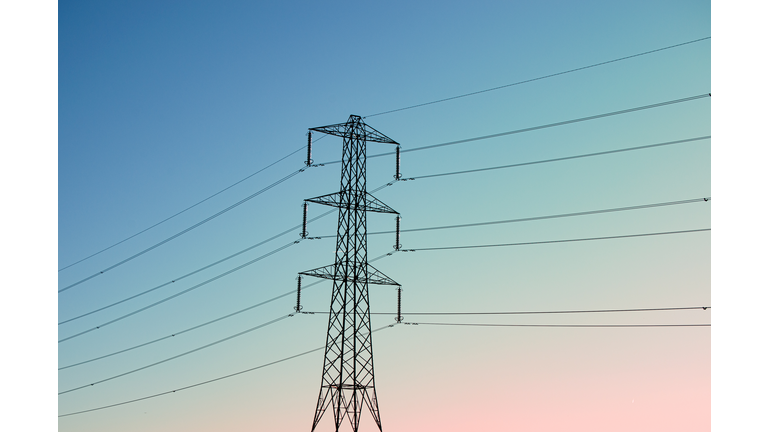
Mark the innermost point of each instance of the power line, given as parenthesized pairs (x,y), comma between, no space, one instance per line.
(184,231)
(382,256)
(539,78)
(562,123)
(540,162)
(643,206)
(193,272)
(564,158)
(186,209)
(292,292)
(558,325)
(208,381)
(191,328)
(561,215)
(557,241)
(555,216)
(383,154)
(390,326)
(373,115)
(545,126)
(178,355)
(463,247)
(538,312)
(197,271)
(181,292)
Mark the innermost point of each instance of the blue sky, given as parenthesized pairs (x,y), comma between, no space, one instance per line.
(163,104)
(117,116)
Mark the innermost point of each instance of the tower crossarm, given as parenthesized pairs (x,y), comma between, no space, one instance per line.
(375,277)
(370,203)
(342,130)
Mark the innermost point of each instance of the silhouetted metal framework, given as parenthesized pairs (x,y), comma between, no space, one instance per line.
(348,382)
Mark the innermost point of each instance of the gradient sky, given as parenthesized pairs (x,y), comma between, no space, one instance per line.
(162,104)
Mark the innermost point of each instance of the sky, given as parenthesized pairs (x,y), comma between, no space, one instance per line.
(163,104)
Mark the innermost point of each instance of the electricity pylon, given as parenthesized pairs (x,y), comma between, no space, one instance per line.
(348,382)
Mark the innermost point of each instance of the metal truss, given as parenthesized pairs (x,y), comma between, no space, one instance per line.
(348,380)
(370,276)
(364,131)
(366,202)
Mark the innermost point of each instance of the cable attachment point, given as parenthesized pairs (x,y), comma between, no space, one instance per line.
(397,233)
(399,317)
(309,149)
(298,307)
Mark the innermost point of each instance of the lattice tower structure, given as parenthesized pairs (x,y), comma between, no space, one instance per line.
(348,382)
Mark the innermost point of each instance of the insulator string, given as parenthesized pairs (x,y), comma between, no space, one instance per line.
(298,297)
(397,163)
(399,318)
(397,233)
(309,148)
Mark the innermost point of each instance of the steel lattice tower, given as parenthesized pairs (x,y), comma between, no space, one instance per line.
(348,381)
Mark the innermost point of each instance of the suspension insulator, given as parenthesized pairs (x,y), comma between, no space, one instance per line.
(399,301)
(304,223)
(298,297)
(309,148)
(397,163)
(397,233)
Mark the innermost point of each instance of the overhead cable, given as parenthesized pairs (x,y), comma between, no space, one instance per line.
(377,114)
(184,231)
(558,241)
(182,211)
(178,355)
(540,312)
(643,147)
(389,153)
(180,293)
(208,381)
(193,272)
(201,269)
(557,325)
(555,216)
(208,322)
(545,126)
(540,78)
(637,207)
(178,333)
